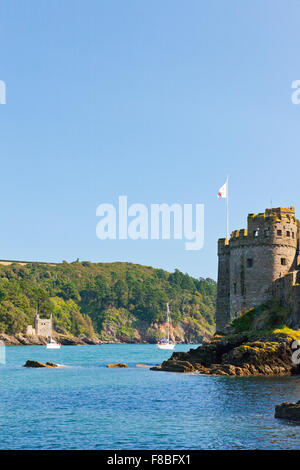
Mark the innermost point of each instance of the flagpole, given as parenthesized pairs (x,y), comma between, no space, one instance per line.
(227,224)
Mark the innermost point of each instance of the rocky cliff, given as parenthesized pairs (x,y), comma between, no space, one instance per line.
(235,355)
(244,351)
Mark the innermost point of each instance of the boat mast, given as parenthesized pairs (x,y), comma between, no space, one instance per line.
(168,318)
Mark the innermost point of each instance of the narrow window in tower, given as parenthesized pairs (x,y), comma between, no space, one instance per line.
(255,233)
(279,233)
(249,263)
(288,233)
(283,261)
(234,288)
(293,235)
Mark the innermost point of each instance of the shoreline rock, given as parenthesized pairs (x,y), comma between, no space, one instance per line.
(236,355)
(21,339)
(119,364)
(37,364)
(289,411)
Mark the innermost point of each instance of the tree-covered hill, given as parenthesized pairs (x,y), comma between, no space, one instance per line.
(111,301)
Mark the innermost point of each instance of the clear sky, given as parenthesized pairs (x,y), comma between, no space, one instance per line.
(156,100)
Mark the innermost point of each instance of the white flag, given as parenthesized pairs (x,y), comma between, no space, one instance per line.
(223,191)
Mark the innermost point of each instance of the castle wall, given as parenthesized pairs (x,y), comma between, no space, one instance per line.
(223,292)
(30,330)
(286,291)
(295,308)
(249,285)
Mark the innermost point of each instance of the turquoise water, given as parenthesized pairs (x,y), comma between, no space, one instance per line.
(88,406)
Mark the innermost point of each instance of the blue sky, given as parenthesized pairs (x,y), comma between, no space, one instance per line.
(155,100)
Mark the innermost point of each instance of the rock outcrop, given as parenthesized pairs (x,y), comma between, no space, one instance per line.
(289,411)
(235,355)
(36,364)
(9,340)
(119,364)
(35,340)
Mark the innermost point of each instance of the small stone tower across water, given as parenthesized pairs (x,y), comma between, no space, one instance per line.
(42,327)
(253,259)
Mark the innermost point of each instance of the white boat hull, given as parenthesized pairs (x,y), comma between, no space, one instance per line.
(165,346)
(52,346)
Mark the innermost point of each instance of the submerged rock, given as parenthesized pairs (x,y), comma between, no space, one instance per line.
(141,365)
(119,364)
(288,411)
(35,364)
(175,366)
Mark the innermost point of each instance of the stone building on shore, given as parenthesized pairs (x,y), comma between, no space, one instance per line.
(42,327)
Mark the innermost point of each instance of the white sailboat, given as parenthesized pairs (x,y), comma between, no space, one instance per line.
(52,343)
(165,343)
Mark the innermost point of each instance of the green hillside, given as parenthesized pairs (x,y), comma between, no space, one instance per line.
(268,320)
(120,301)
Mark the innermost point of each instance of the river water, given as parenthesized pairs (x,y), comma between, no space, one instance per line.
(89,406)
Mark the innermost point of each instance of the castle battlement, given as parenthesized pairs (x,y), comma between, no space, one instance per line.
(242,233)
(223,246)
(275,213)
(253,259)
(277,226)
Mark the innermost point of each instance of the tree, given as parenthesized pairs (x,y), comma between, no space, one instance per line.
(13,318)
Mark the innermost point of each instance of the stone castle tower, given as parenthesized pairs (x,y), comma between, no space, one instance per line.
(42,327)
(253,260)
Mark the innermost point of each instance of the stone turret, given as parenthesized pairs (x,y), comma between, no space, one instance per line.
(42,326)
(223,297)
(253,259)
